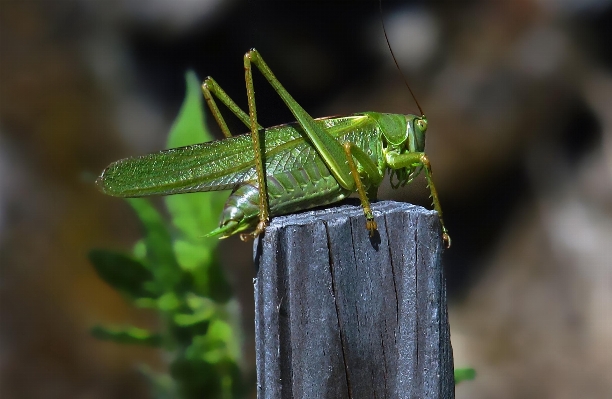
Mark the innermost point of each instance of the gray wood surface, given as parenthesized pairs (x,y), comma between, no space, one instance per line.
(341,315)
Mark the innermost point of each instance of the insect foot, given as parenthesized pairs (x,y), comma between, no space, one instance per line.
(371,226)
(447,239)
(261,227)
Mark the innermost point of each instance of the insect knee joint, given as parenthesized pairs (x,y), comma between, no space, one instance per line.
(425,161)
(251,54)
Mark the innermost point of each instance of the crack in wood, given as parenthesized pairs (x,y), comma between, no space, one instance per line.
(340,330)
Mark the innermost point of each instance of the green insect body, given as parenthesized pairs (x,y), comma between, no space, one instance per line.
(308,163)
(308,184)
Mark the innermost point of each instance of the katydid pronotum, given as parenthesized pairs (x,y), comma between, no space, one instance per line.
(301,165)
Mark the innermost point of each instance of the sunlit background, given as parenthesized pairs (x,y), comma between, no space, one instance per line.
(519,100)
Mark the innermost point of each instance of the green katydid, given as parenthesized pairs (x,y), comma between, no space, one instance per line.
(301,165)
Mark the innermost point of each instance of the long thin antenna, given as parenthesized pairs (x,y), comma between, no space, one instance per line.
(382,21)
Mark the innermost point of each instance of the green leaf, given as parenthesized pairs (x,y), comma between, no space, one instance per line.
(191,255)
(168,302)
(158,243)
(130,335)
(122,272)
(194,214)
(188,128)
(188,320)
(140,250)
(219,344)
(202,309)
(199,303)
(464,374)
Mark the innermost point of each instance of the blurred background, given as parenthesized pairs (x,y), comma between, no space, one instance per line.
(519,100)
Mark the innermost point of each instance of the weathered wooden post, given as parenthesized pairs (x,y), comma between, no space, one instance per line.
(342,315)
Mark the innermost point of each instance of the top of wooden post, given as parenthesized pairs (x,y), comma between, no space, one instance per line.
(340,314)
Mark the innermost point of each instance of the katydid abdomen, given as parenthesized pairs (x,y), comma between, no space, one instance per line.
(291,191)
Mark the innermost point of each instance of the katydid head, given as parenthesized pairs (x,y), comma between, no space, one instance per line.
(401,135)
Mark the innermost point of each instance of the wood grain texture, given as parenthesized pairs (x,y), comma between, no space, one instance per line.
(343,315)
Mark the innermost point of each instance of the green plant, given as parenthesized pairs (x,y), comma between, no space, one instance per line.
(174,270)
(464,374)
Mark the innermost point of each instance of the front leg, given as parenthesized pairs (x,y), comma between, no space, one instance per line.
(399,161)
